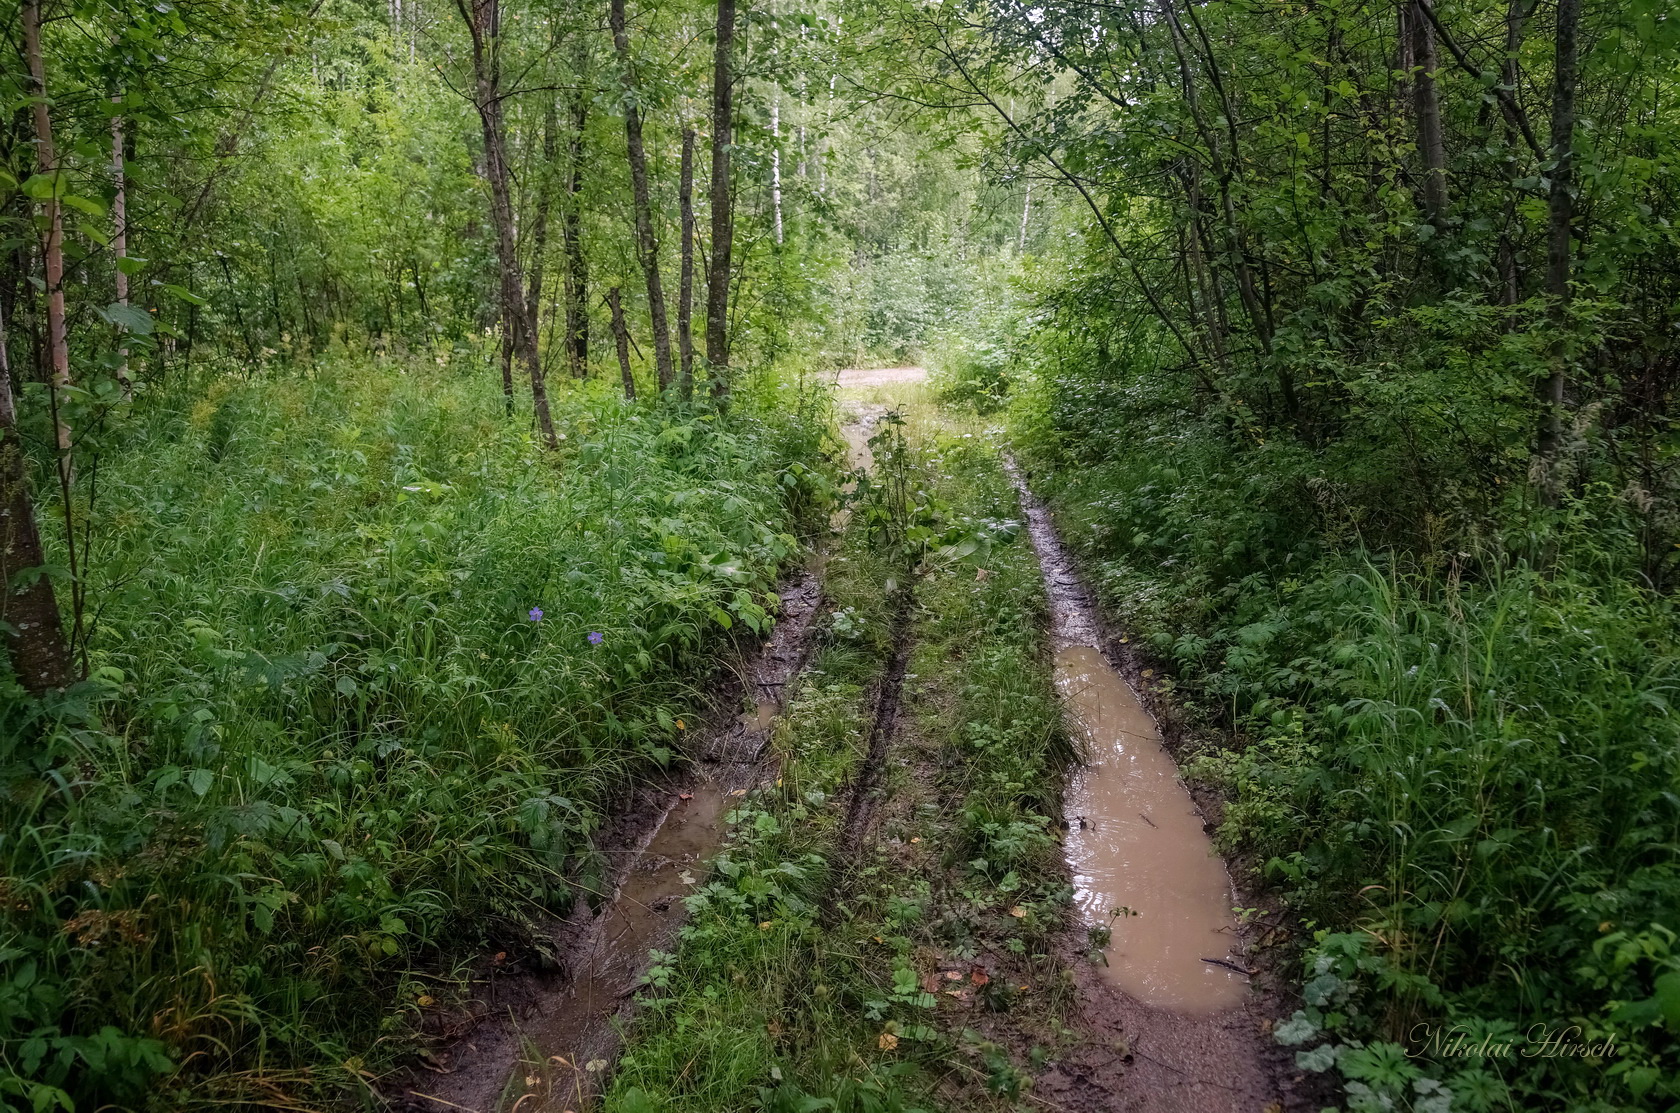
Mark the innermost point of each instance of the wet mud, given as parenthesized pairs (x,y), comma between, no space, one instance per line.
(1162,1030)
(1143,869)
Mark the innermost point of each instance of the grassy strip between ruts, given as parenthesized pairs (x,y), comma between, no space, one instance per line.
(942,934)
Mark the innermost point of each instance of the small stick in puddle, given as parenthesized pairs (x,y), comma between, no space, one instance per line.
(1146,819)
(1230,966)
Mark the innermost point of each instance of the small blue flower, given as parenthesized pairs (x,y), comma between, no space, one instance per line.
(596,637)
(535,614)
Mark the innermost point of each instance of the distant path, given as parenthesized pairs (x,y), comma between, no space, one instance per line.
(879,376)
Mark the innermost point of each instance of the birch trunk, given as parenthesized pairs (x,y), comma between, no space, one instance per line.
(685,286)
(647,243)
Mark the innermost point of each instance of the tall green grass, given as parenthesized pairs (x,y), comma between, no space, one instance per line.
(367,669)
(1462,767)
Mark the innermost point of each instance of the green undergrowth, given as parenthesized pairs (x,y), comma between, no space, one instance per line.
(361,687)
(1462,772)
(765,1004)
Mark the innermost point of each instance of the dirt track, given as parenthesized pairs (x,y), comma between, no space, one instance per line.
(856,377)
(541,1041)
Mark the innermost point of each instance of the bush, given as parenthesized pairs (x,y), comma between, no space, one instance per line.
(361,689)
(1456,745)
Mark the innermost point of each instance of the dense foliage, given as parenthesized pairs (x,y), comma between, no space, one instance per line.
(1359,398)
(359,688)
(353,658)
(398,400)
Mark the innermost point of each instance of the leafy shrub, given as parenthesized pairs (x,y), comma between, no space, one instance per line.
(362,686)
(1457,741)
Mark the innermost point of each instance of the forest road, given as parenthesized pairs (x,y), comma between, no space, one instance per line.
(853,378)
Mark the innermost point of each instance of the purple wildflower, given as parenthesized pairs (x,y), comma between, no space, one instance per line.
(535,614)
(596,637)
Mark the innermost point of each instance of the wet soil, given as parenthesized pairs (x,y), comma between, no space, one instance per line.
(542,1041)
(1160,1030)
(855,377)
(863,796)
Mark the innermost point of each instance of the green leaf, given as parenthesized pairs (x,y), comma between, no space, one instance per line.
(199,780)
(85,204)
(129,317)
(44,187)
(184,294)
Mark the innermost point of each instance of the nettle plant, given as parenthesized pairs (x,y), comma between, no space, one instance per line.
(905,518)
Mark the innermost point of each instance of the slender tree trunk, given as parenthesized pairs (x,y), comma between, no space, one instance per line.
(685,286)
(1259,314)
(577,264)
(723,224)
(119,238)
(1426,106)
(35,644)
(52,250)
(647,242)
(533,297)
(539,226)
(621,339)
(776,164)
(1026,211)
(1560,219)
(483,18)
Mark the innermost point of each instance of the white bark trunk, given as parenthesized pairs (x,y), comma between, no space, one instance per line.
(776,162)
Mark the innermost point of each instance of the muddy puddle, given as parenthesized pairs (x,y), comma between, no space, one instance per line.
(573,1034)
(1135,846)
(1142,865)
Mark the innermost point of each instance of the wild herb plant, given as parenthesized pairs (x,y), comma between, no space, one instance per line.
(368,670)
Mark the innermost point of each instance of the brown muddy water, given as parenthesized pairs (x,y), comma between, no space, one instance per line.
(1135,845)
(1135,840)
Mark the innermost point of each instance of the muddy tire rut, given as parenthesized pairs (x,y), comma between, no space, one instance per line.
(541,1040)
(1135,1056)
(863,797)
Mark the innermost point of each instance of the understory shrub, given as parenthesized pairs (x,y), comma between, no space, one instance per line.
(360,688)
